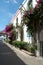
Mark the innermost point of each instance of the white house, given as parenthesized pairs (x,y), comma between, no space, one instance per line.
(17,19)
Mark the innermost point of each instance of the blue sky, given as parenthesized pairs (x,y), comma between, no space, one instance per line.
(8,9)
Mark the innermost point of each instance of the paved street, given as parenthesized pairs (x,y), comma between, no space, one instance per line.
(8,57)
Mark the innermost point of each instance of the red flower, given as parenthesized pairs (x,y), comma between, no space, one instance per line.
(38,1)
(8,28)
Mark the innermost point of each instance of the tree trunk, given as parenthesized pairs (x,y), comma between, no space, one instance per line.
(21,34)
(34,38)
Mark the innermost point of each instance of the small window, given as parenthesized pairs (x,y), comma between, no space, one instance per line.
(17,22)
(16,35)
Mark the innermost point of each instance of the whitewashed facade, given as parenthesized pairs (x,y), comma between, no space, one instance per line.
(14,21)
(26,38)
(19,15)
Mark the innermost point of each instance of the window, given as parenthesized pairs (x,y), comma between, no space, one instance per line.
(16,35)
(17,22)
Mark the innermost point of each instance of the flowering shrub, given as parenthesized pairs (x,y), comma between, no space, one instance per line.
(33,18)
(10,31)
(8,28)
(21,45)
(38,1)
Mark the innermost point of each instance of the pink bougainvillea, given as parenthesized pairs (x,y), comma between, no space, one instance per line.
(8,28)
(38,1)
(38,4)
(27,13)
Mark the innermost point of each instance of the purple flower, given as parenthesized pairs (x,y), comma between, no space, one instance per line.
(8,28)
(38,1)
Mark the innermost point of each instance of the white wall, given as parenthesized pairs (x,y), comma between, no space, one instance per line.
(34,3)
(19,16)
(18,39)
(25,4)
(14,22)
(26,36)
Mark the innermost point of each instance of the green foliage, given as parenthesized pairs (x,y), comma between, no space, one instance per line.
(21,45)
(32,48)
(24,45)
(11,32)
(33,18)
(7,41)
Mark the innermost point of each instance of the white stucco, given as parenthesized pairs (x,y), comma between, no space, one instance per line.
(19,18)
(18,39)
(34,3)
(27,38)
(25,4)
(18,15)
(14,22)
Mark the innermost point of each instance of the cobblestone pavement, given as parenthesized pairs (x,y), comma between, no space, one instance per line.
(27,59)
